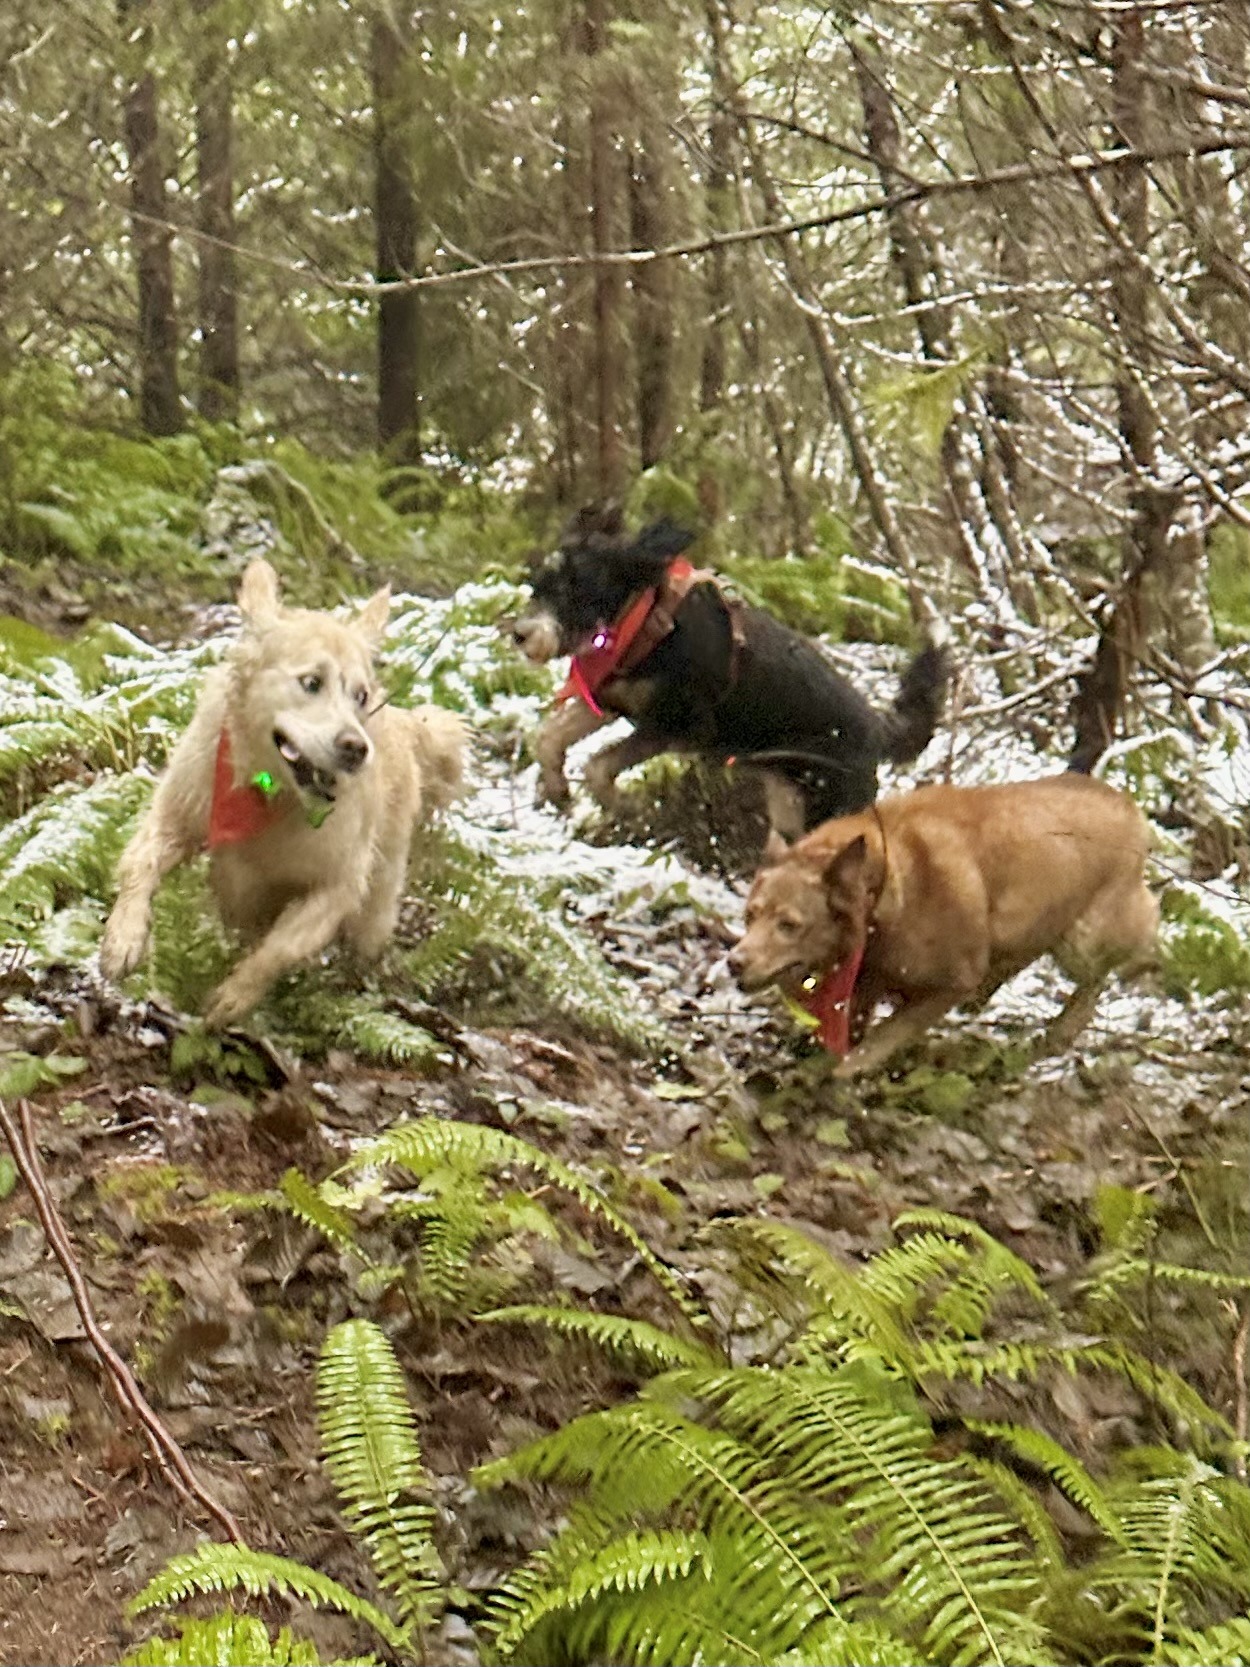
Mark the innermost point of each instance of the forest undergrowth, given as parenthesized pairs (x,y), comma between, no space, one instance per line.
(622,1331)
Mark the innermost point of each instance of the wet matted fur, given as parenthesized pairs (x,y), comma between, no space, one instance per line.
(953,890)
(298,699)
(729,681)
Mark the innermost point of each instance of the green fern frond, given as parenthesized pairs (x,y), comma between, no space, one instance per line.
(423,1146)
(771,1255)
(1226,1644)
(810,1480)
(306,1202)
(625,1564)
(311,1015)
(485,911)
(966,1301)
(369,1440)
(1137,1269)
(865,1643)
(1157,1383)
(1025,1507)
(374,1033)
(1174,1548)
(633,1342)
(213,1569)
(1037,1448)
(1127,1219)
(959,1568)
(63,848)
(454,1224)
(955,1359)
(237,1640)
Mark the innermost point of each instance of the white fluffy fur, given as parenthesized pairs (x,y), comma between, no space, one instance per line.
(294,889)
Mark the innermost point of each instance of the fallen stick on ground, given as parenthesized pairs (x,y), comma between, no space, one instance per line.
(173,1462)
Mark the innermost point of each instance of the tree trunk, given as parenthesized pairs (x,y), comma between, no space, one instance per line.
(653,297)
(160,407)
(395,229)
(978,504)
(218,270)
(608,344)
(1130,622)
(718,191)
(794,509)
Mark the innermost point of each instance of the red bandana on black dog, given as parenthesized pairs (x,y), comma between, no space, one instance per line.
(610,649)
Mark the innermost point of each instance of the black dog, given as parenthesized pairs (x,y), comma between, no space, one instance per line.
(706,675)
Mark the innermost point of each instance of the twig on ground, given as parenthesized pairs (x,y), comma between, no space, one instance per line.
(173,1462)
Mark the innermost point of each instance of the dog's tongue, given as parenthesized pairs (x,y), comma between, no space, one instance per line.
(830,1003)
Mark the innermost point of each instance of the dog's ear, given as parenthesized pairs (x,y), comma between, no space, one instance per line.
(663,539)
(599,521)
(258,594)
(776,849)
(372,618)
(846,870)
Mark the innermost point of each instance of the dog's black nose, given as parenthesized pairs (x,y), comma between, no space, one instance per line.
(351,752)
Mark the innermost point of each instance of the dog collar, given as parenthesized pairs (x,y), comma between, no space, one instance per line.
(242,812)
(641,625)
(829,1002)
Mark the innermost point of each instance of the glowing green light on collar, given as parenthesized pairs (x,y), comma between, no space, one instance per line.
(314,814)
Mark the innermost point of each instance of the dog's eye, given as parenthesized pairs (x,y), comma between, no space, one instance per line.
(788,927)
(310,683)
(361,697)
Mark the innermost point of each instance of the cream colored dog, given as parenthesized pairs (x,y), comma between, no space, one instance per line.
(304,787)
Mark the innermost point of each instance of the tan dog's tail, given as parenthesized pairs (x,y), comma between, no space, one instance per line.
(441,740)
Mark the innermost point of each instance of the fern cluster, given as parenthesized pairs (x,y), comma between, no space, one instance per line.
(370,1446)
(438,1150)
(799,1508)
(804,1511)
(492,932)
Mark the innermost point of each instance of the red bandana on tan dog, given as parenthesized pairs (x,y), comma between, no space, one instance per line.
(830,1003)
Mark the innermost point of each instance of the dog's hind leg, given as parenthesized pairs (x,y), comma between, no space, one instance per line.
(1071,1019)
(568,724)
(1117,931)
(302,930)
(602,770)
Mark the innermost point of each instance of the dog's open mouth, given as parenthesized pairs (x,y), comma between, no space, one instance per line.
(309,778)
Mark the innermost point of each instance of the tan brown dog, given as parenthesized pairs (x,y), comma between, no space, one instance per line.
(304,786)
(950,891)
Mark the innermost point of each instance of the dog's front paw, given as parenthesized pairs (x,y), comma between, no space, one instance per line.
(553,790)
(601,785)
(235,998)
(124,944)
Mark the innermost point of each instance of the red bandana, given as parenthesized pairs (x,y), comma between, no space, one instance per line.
(830,1002)
(589,671)
(237,813)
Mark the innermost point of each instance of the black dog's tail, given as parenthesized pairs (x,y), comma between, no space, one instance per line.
(909,724)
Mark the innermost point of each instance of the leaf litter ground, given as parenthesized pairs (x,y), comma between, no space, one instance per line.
(221,1308)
